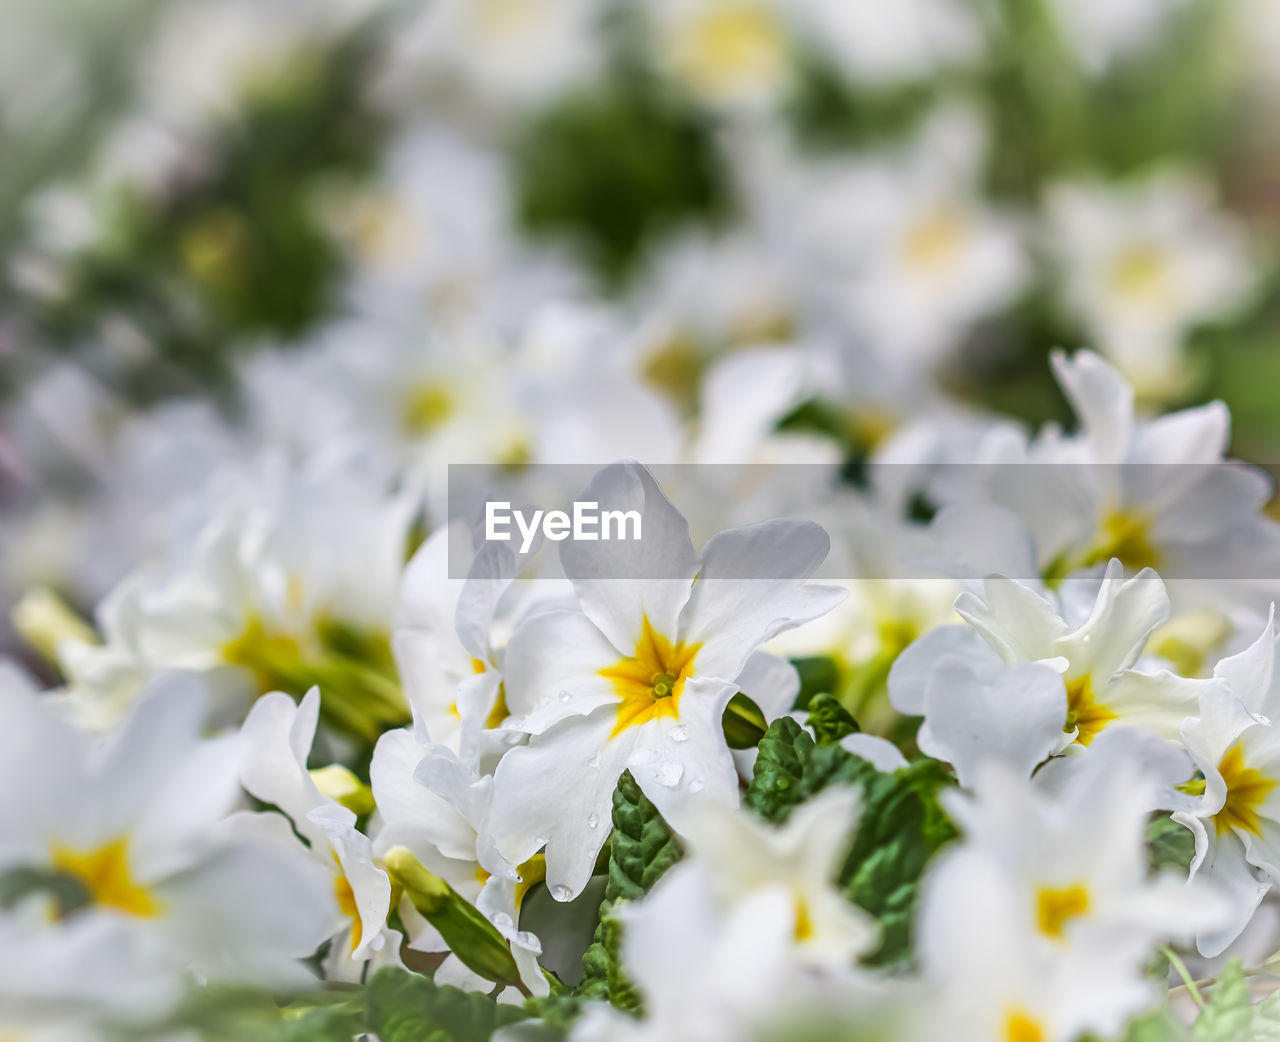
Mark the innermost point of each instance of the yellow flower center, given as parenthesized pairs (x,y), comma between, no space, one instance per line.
(1084,712)
(649,684)
(1019,1027)
(106,875)
(1141,273)
(1247,788)
(1056,907)
(933,243)
(426,408)
(804,920)
(733,44)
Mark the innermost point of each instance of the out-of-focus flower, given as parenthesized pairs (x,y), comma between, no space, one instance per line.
(141,827)
(1142,263)
(1102,32)
(1041,930)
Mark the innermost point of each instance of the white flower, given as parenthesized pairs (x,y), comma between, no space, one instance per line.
(733,54)
(903,246)
(1040,923)
(639,678)
(508,52)
(141,821)
(1031,677)
(279,734)
(438,807)
(1236,747)
(1142,263)
(63,981)
(710,975)
(1153,493)
(745,856)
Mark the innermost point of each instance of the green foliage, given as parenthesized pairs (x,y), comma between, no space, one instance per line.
(611,169)
(641,848)
(830,720)
(1229,1015)
(902,825)
(1169,844)
(744,724)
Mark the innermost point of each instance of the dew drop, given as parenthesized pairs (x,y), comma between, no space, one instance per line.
(594,762)
(544,701)
(564,696)
(696,785)
(593,821)
(561,893)
(670,773)
(679,733)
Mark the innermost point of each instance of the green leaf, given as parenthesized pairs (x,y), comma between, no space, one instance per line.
(1229,1016)
(641,848)
(406,1007)
(830,720)
(1157,1027)
(1169,844)
(779,781)
(743,723)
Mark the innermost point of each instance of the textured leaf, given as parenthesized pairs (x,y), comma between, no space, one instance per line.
(830,721)
(641,848)
(779,781)
(1229,1016)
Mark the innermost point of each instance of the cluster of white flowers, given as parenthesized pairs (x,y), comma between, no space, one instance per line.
(899,718)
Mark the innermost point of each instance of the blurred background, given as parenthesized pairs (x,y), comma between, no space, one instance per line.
(510,231)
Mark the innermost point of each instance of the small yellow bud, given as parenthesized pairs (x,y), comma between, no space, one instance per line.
(45,621)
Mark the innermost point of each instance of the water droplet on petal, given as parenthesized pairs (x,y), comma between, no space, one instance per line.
(593,821)
(670,773)
(696,785)
(594,762)
(503,921)
(564,696)
(544,701)
(679,733)
(561,893)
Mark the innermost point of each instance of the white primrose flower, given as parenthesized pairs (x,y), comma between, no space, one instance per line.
(1039,925)
(744,856)
(278,735)
(736,55)
(509,53)
(1156,493)
(141,823)
(437,807)
(639,677)
(1236,819)
(1033,675)
(262,602)
(68,980)
(1144,262)
(903,245)
(710,974)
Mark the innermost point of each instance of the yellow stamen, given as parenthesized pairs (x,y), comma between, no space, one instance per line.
(105,874)
(1141,272)
(1055,908)
(1019,1027)
(1247,788)
(1084,712)
(649,684)
(732,44)
(934,242)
